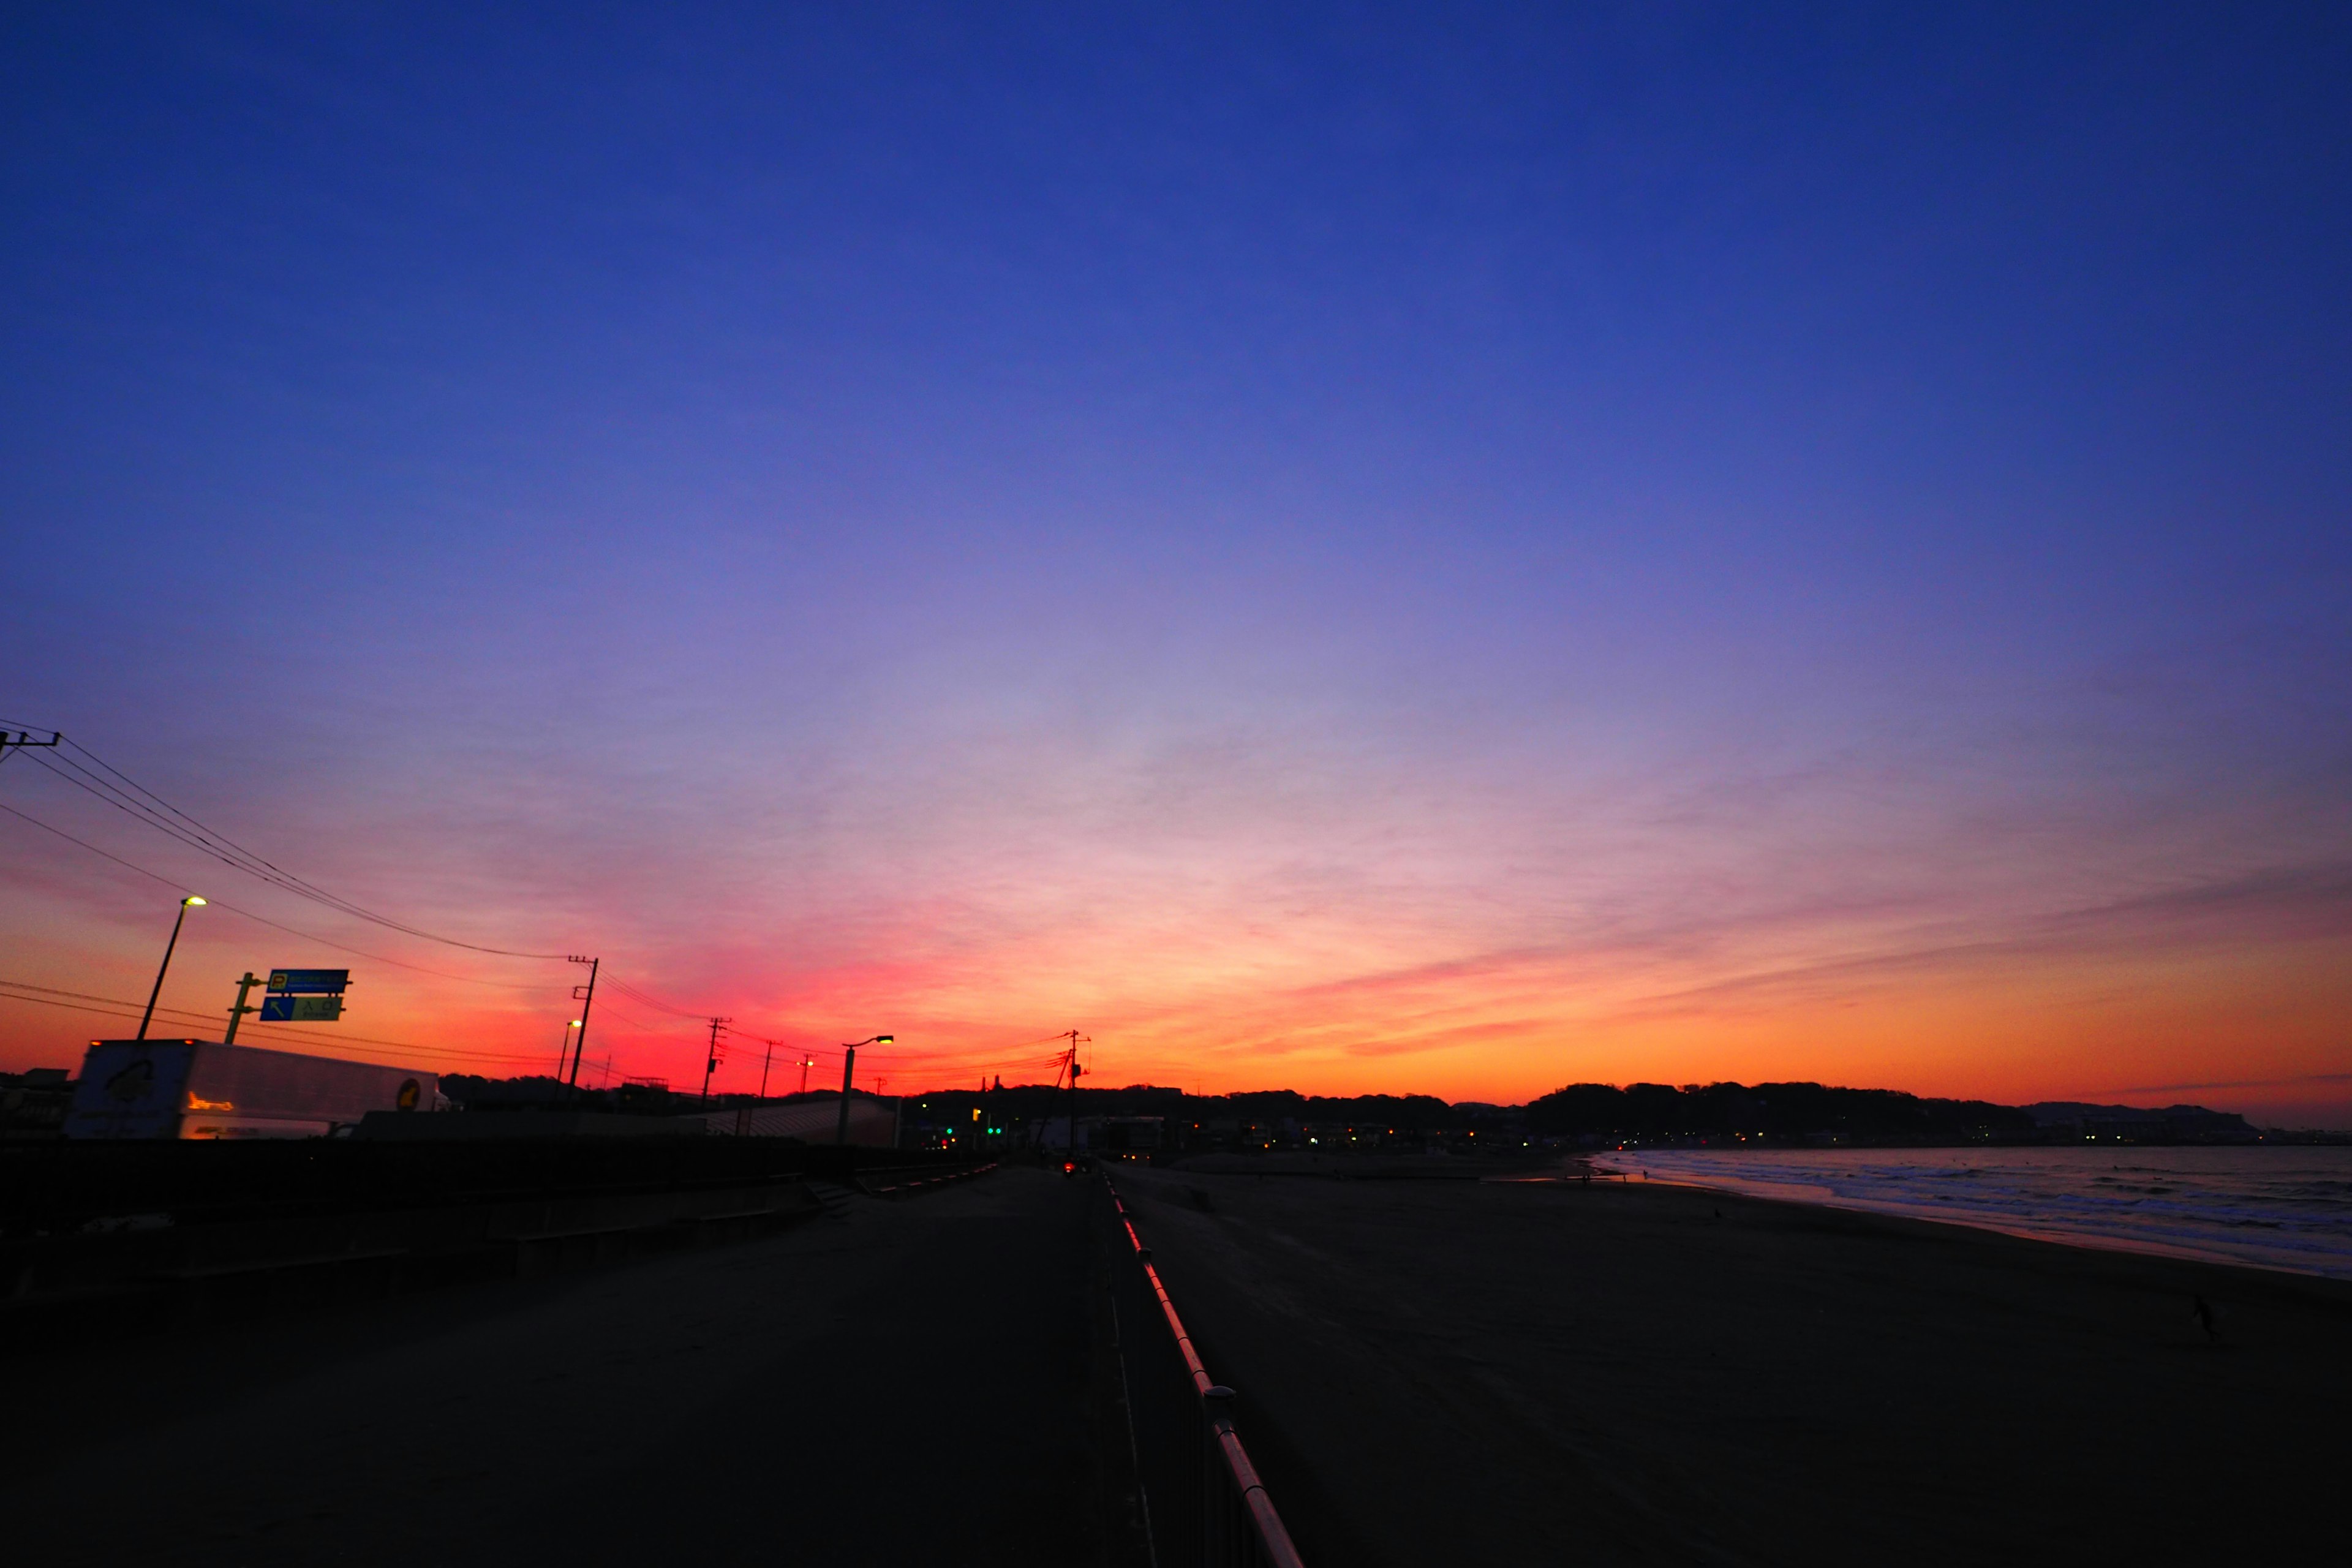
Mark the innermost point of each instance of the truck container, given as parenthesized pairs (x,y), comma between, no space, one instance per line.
(203,1088)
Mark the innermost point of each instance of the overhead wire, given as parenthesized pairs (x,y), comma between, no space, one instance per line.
(117,1007)
(195,836)
(109,784)
(625,989)
(126,794)
(264,920)
(120,789)
(141,803)
(634,1022)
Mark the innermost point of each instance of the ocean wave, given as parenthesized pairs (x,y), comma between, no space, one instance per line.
(2277,1208)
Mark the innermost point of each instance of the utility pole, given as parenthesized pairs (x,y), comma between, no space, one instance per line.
(710,1062)
(1071,1061)
(586,996)
(807,1061)
(17,739)
(564,1048)
(848,1066)
(237,1014)
(162,969)
(765,1058)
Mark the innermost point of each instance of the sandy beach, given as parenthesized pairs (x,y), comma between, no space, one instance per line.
(1525,1372)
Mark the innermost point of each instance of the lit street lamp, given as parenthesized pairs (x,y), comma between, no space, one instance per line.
(849,1067)
(148,1016)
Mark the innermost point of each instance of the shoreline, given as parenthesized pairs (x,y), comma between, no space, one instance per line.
(1663,1371)
(2152,1242)
(1565,1170)
(2088,1242)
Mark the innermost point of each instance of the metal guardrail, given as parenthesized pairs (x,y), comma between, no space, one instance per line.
(1203,1500)
(910,1182)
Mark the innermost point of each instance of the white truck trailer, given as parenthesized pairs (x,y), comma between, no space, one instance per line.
(203,1088)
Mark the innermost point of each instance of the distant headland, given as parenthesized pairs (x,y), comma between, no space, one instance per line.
(1582,1115)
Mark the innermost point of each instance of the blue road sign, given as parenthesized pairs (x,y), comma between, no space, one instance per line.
(310,981)
(281,1008)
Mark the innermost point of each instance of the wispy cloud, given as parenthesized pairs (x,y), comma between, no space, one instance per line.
(2233,1083)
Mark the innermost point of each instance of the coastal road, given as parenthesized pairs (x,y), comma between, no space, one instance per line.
(898,1382)
(1465,1371)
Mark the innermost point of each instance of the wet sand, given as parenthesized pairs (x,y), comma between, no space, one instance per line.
(1449,1372)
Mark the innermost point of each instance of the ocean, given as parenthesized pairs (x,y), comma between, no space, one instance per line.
(2273,1206)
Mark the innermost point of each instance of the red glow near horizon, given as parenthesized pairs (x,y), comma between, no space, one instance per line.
(1452,556)
(2146,1010)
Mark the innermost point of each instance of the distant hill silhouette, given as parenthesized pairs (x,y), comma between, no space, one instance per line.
(1771,1109)
(1774,1112)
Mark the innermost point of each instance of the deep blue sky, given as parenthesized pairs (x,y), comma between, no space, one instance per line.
(917,492)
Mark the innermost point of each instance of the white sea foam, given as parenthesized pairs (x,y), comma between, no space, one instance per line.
(2273,1206)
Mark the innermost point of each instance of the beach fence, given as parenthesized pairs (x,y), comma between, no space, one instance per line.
(1203,1502)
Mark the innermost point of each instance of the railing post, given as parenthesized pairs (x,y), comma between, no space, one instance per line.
(1216,1482)
(1229,1522)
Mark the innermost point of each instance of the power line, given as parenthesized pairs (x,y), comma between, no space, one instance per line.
(634,1022)
(981,1056)
(655,1002)
(196,837)
(264,920)
(78,1001)
(125,795)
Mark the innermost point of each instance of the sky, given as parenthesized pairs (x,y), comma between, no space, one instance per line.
(1448,549)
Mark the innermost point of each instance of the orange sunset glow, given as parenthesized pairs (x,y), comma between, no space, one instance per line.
(1273,785)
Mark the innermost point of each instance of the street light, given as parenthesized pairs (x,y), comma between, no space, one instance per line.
(849,1067)
(148,1016)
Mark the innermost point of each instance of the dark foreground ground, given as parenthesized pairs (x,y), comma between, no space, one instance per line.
(899,1382)
(1429,1373)
(1454,1371)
